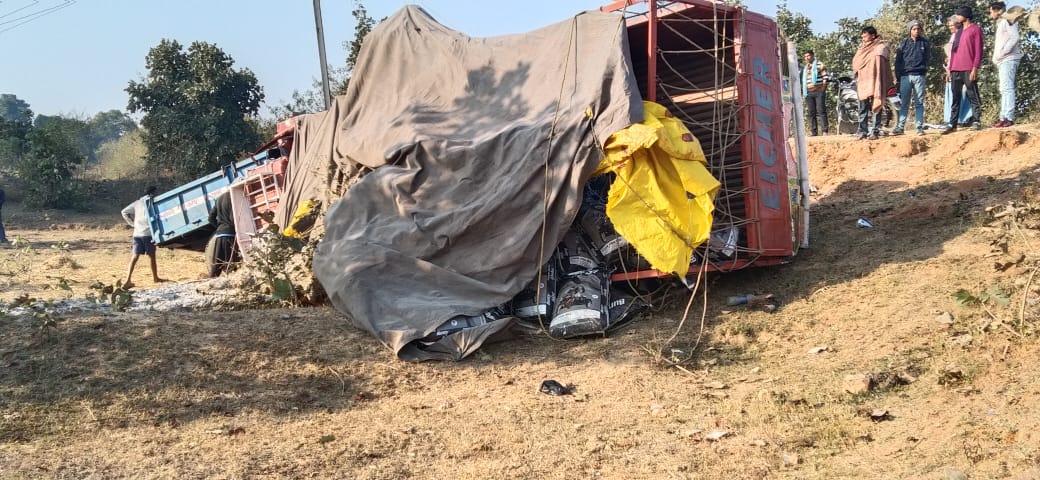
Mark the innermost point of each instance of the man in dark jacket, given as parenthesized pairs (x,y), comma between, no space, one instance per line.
(222,216)
(911,66)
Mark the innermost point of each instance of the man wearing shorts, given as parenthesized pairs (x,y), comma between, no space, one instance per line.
(137,216)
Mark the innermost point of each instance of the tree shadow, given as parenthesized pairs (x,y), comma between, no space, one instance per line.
(488,102)
(166,369)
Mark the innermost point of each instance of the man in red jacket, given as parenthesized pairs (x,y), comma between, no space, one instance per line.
(965,60)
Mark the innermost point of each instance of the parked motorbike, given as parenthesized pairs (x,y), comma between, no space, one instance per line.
(848,105)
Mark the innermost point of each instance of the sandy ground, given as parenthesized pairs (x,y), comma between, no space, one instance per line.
(940,389)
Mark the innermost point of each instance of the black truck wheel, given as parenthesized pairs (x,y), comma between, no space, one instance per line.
(213,263)
(221,255)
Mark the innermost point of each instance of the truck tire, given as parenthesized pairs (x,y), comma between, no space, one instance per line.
(212,262)
(215,265)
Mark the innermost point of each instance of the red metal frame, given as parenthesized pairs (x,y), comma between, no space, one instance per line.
(763,145)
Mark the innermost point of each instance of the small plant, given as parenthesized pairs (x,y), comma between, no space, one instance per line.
(283,264)
(23,300)
(23,258)
(994,294)
(41,312)
(117,296)
(62,283)
(64,255)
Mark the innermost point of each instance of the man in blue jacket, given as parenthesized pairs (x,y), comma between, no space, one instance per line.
(911,66)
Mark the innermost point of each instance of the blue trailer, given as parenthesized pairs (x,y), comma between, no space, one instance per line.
(180,217)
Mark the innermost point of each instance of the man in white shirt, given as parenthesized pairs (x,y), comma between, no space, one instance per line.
(1006,56)
(136,215)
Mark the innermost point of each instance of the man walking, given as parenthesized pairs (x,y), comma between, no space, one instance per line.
(873,79)
(814,88)
(1006,56)
(911,66)
(136,214)
(966,58)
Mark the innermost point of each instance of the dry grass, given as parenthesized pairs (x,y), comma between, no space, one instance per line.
(302,394)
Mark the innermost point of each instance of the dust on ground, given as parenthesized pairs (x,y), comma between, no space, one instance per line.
(937,388)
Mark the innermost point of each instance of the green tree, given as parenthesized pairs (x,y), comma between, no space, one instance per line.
(12,142)
(52,154)
(109,125)
(796,26)
(123,157)
(15,122)
(310,101)
(363,25)
(838,47)
(197,108)
(307,101)
(14,109)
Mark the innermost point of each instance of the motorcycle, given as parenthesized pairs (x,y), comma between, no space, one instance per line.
(848,105)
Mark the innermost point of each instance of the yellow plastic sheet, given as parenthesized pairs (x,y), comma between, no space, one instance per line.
(302,219)
(663,195)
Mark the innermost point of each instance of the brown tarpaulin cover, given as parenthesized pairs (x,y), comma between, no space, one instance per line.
(474,142)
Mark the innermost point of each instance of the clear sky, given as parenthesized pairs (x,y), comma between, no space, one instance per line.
(75,57)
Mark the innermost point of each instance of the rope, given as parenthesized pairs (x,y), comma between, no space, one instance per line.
(547,174)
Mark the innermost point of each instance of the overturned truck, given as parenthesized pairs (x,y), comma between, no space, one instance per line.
(475,182)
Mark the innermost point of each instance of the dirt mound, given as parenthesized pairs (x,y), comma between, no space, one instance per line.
(903,177)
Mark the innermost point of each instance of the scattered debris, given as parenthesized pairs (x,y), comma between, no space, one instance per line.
(717,435)
(887,380)
(879,415)
(552,387)
(226,430)
(818,350)
(864,223)
(963,340)
(765,302)
(1004,266)
(857,384)
(951,376)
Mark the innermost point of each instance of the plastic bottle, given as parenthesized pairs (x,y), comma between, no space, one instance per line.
(748,299)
